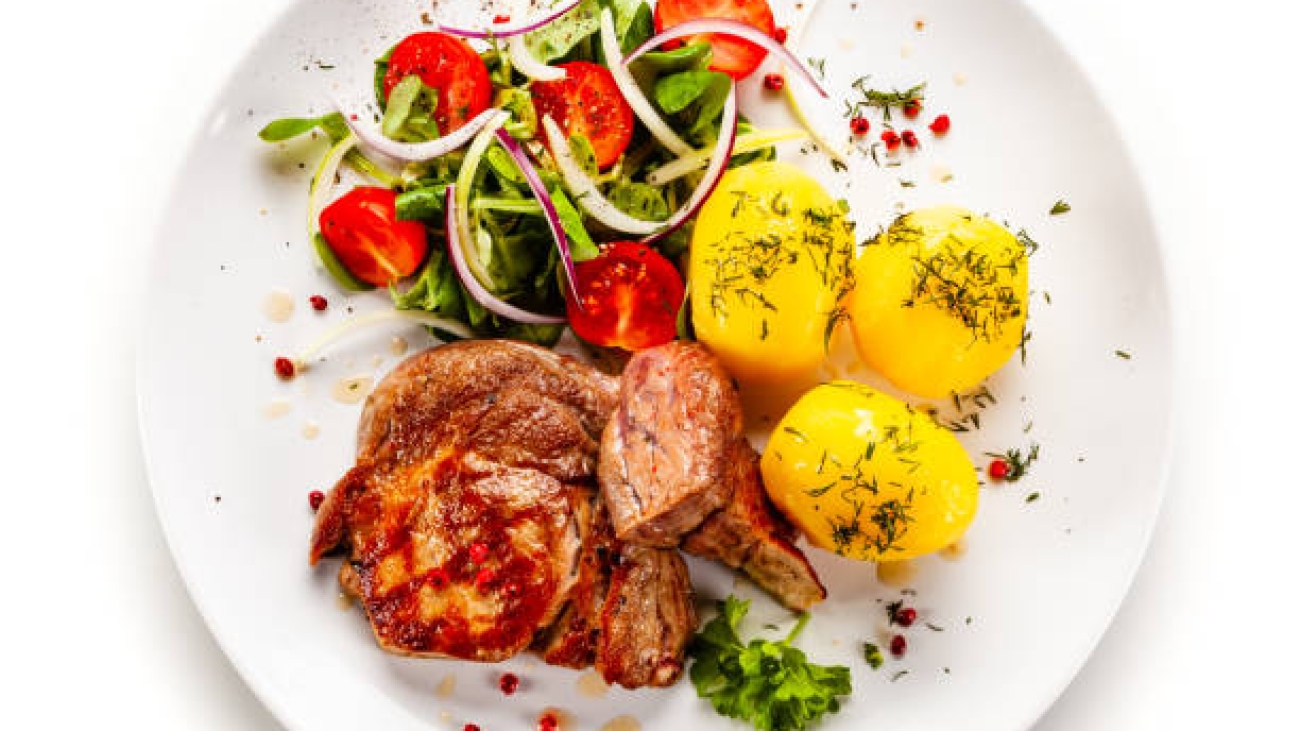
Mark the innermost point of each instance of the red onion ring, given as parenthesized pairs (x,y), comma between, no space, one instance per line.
(723,27)
(506,30)
(418,151)
(548,207)
(712,174)
(476,288)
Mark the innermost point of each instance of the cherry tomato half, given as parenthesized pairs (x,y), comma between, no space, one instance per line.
(731,55)
(587,102)
(630,298)
(362,230)
(448,64)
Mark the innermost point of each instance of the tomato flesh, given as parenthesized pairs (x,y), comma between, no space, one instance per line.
(587,102)
(732,56)
(448,64)
(362,230)
(630,298)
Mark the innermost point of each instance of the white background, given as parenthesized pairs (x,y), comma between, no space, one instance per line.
(99,98)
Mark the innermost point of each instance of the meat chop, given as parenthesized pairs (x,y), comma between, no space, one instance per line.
(676,468)
(472,523)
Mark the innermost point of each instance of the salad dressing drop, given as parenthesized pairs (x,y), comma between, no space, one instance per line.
(278,306)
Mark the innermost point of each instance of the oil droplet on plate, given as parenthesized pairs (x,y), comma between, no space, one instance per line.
(896,573)
(905,52)
(310,430)
(960,79)
(591,684)
(941,173)
(446,687)
(398,345)
(954,551)
(276,408)
(278,306)
(352,389)
(621,723)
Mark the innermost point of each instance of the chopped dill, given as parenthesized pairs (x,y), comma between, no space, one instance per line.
(1059,208)
(886,101)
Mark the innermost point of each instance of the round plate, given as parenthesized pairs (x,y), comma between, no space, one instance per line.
(1005,626)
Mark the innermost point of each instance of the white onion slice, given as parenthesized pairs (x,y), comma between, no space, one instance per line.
(583,189)
(723,27)
(752,142)
(548,208)
(360,322)
(528,65)
(476,288)
(507,30)
(465,182)
(322,181)
(796,38)
(641,106)
(420,151)
(712,174)
(588,196)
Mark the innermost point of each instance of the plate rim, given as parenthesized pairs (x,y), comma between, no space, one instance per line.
(283,711)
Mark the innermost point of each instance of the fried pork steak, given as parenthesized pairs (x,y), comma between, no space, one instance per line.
(676,469)
(473,529)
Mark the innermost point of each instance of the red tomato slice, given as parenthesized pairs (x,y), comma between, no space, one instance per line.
(587,102)
(362,230)
(448,64)
(731,56)
(630,298)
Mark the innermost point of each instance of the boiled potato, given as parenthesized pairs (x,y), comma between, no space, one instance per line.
(864,475)
(770,264)
(941,300)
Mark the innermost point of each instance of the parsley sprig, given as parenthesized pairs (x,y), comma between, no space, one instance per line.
(769,684)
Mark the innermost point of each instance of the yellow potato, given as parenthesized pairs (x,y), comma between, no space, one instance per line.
(864,475)
(941,300)
(771,260)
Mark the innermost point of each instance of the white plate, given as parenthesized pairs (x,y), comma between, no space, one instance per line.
(1020,612)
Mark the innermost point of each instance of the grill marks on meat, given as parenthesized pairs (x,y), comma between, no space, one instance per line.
(664,454)
(675,467)
(750,535)
(492,442)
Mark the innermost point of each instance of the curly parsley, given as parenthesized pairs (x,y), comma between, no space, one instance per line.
(771,685)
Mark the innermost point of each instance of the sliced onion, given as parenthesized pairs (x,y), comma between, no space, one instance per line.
(506,30)
(465,182)
(526,64)
(420,151)
(641,106)
(712,174)
(322,181)
(724,27)
(752,142)
(476,288)
(588,196)
(360,322)
(584,190)
(548,207)
(796,38)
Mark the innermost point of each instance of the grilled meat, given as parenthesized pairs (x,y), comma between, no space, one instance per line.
(664,454)
(471,521)
(675,467)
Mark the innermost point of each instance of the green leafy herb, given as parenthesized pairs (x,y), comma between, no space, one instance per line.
(1060,207)
(436,290)
(557,39)
(581,247)
(872,655)
(422,204)
(280,130)
(1032,497)
(770,685)
(691,57)
(1123,354)
(886,101)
